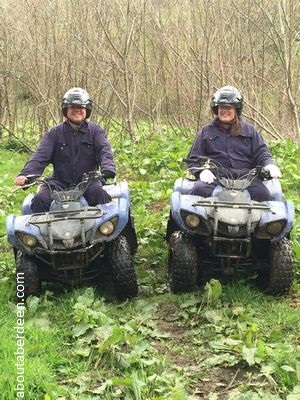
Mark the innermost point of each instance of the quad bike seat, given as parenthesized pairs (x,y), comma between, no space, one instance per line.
(115,190)
(185,186)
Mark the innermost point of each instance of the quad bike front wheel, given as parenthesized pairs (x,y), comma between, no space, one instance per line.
(27,276)
(123,274)
(281,272)
(182,263)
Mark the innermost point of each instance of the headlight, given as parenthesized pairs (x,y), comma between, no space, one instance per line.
(107,228)
(275,228)
(27,240)
(192,221)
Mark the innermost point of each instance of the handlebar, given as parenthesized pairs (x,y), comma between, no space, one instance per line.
(87,177)
(32,178)
(203,162)
(91,175)
(200,160)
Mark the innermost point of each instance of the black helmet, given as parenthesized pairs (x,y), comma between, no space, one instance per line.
(77,97)
(227,96)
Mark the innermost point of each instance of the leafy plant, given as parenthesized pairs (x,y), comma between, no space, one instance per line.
(225,341)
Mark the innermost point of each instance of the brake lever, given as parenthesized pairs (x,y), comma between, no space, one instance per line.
(263,173)
(24,187)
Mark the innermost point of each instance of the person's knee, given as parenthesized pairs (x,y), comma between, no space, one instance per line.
(262,195)
(40,203)
(259,192)
(97,195)
(202,189)
(104,197)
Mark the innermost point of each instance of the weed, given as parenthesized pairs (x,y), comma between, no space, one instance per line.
(226,341)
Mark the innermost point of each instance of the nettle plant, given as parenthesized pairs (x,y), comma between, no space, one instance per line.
(236,335)
(119,347)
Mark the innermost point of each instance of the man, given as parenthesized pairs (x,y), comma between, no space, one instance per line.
(73,147)
(234,143)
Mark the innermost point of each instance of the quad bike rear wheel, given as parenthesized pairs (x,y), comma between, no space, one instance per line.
(27,276)
(182,263)
(281,272)
(123,274)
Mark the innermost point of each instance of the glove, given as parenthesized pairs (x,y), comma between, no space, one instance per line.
(274,171)
(207,176)
(193,173)
(108,174)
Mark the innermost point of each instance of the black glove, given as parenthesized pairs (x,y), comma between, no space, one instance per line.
(108,174)
(195,172)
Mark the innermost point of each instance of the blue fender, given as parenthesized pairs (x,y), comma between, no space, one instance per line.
(183,185)
(279,211)
(118,207)
(26,206)
(274,187)
(117,190)
(290,211)
(20,224)
(185,202)
(290,217)
(10,231)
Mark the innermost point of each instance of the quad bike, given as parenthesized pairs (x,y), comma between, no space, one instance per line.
(229,233)
(75,243)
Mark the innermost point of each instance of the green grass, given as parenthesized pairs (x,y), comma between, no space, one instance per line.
(221,342)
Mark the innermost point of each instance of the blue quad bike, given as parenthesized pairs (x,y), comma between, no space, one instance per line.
(75,243)
(228,233)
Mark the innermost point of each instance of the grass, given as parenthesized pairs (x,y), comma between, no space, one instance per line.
(222,342)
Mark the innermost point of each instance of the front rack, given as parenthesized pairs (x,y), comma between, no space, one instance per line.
(220,244)
(52,217)
(226,204)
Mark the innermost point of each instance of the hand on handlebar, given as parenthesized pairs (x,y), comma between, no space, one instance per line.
(108,174)
(274,171)
(207,176)
(21,180)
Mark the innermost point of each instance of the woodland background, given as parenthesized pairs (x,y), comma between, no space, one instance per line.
(157,61)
